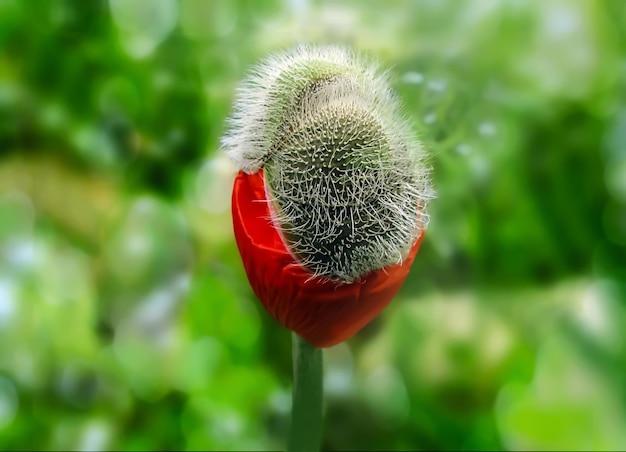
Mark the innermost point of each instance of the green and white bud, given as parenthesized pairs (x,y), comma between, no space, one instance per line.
(343,169)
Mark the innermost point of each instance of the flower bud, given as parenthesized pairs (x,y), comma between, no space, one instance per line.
(329,204)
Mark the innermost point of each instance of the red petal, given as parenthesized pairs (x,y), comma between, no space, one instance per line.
(321,311)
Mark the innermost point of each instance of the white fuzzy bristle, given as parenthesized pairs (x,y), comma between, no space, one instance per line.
(343,167)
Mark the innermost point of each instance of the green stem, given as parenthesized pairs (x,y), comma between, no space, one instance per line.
(306,409)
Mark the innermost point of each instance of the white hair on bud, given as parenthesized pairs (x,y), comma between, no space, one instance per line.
(343,167)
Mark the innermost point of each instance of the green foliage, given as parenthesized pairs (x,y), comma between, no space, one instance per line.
(126,321)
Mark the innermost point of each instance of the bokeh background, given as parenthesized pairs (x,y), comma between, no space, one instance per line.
(126,321)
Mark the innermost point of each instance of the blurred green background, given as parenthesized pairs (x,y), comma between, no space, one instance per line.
(126,321)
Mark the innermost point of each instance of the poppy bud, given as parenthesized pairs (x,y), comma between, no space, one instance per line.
(329,204)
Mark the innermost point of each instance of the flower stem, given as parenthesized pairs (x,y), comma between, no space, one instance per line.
(306,409)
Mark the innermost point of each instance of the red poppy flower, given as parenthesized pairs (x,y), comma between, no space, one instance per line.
(331,193)
(322,311)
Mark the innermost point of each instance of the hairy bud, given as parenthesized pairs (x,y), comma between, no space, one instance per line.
(344,173)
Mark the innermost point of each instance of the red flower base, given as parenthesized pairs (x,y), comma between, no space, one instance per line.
(322,311)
